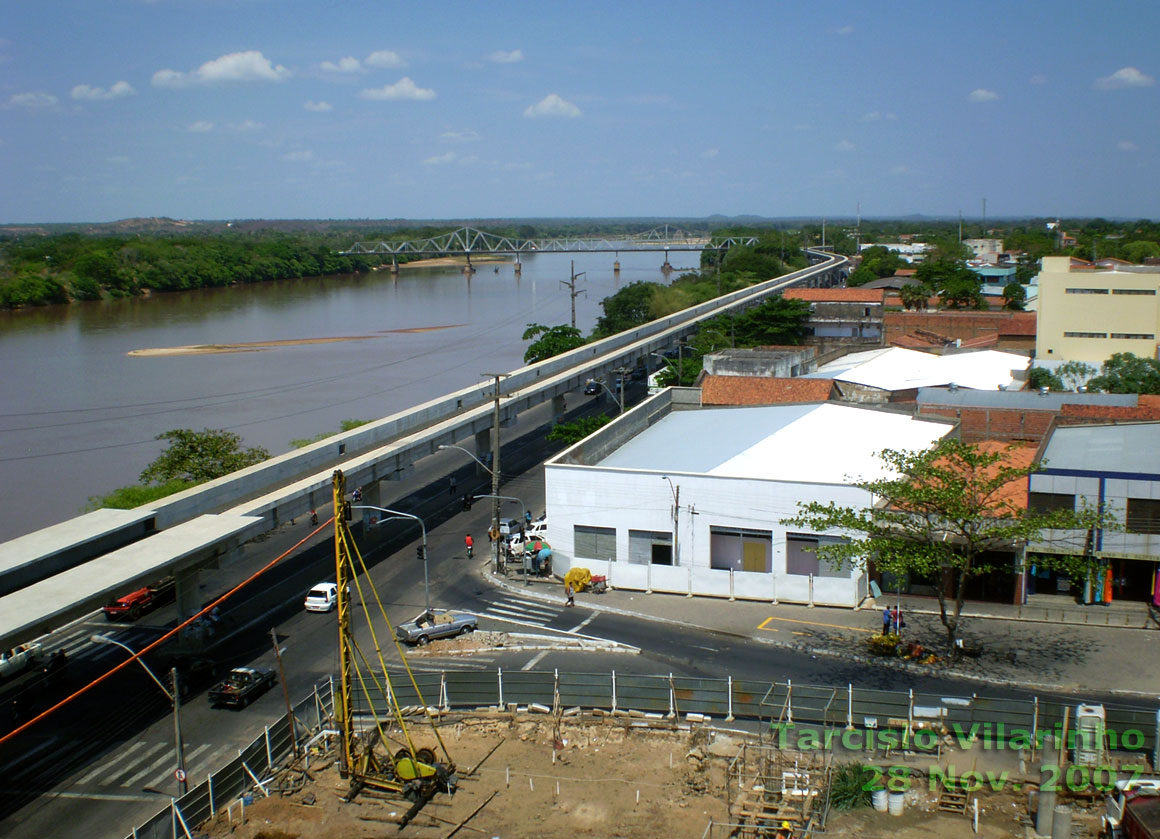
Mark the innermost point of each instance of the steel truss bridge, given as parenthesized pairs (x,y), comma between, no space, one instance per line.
(468,240)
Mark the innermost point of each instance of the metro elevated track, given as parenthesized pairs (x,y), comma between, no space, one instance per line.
(79,564)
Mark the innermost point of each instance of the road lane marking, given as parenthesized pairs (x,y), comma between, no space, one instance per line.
(152,767)
(536,659)
(116,758)
(763,625)
(583,623)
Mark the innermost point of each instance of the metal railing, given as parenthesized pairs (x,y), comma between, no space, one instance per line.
(997,720)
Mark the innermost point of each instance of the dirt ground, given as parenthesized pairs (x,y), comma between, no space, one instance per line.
(609,779)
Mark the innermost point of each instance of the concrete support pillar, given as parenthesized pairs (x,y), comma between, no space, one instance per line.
(371,497)
(188,603)
(468,269)
(483,451)
(558,407)
(1048,774)
(1061,822)
(666,266)
(394,265)
(519,266)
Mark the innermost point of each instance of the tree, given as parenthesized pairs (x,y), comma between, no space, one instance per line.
(1014,296)
(860,276)
(551,340)
(1139,251)
(198,456)
(1039,378)
(962,293)
(914,296)
(626,309)
(942,513)
(1075,373)
(881,260)
(569,433)
(1126,372)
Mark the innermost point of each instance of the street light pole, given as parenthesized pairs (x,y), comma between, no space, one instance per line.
(174,697)
(495,470)
(423,527)
(676,490)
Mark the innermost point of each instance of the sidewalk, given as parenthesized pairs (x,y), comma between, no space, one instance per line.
(1071,658)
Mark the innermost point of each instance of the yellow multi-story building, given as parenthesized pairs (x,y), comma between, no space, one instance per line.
(1087,315)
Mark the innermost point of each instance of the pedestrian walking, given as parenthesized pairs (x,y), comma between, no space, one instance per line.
(314,518)
(887,620)
(451,486)
(569,594)
(528,517)
(358,495)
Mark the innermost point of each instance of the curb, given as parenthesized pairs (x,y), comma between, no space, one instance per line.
(529,641)
(857,658)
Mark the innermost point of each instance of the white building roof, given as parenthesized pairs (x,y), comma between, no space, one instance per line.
(896,368)
(822,443)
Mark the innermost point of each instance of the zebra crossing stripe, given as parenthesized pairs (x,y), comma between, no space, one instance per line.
(522,616)
(530,606)
(117,771)
(167,774)
(166,757)
(116,758)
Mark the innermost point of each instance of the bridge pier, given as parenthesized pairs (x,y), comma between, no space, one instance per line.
(468,269)
(483,451)
(394,265)
(559,407)
(519,266)
(666,267)
(616,264)
(189,603)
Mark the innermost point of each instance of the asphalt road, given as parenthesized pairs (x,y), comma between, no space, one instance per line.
(105,762)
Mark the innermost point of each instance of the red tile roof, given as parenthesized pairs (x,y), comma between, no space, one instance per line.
(763,390)
(835,295)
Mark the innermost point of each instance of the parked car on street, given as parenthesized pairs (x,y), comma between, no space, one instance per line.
(18,659)
(322,598)
(241,687)
(438,623)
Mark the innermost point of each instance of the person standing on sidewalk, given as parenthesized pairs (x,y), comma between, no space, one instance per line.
(569,594)
(887,620)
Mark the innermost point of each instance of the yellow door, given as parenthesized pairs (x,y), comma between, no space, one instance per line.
(753,556)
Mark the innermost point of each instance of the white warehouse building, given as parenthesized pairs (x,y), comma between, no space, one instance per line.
(674,497)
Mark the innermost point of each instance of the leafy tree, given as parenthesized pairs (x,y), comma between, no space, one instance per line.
(198,456)
(1126,372)
(569,433)
(126,498)
(860,276)
(914,296)
(626,309)
(962,293)
(941,513)
(689,367)
(1040,377)
(882,261)
(550,341)
(1139,251)
(1075,373)
(1014,296)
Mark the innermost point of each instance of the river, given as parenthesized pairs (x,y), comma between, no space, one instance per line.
(80,414)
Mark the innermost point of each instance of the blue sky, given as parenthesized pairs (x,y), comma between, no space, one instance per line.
(223,109)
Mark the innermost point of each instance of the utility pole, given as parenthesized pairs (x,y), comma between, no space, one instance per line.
(182,783)
(960,227)
(984,218)
(858,230)
(823,234)
(495,469)
(285,692)
(571,286)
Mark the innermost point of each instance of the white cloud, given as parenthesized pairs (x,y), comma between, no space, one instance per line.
(404,88)
(980,94)
(900,170)
(38,99)
(385,59)
(1127,145)
(118,158)
(98,94)
(441,159)
(552,106)
(201,126)
(343,65)
(298,156)
(709,154)
(317,107)
(467,135)
(248,125)
(844,145)
(1039,78)
(506,56)
(249,66)
(875,116)
(845,30)
(1123,78)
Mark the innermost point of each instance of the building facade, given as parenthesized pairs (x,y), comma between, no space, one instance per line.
(1087,315)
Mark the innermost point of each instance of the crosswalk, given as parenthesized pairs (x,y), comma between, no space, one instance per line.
(77,643)
(513,609)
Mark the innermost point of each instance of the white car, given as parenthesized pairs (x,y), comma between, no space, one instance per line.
(322,598)
(18,659)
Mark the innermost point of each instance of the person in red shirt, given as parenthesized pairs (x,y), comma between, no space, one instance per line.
(470,543)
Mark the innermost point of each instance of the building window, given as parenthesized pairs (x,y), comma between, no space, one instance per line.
(740,550)
(1087,291)
(1049,502)
(1085,335)
(1151,292)
(650,547)
(801,556)
(1142,336)
(1143,515)
(594,542)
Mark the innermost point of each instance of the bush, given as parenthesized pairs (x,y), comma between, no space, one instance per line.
(848,786)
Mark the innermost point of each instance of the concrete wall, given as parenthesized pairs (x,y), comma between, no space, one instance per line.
(977,424)
(966,325)
(769,363)
(1078,325)
(641,500)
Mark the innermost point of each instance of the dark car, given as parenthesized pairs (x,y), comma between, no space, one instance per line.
(591,387)
(241,687)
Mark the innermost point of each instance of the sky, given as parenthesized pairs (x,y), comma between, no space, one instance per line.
(235,109)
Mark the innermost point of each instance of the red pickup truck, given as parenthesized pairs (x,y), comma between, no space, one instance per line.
(136,603)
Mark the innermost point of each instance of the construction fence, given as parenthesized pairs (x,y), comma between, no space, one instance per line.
(698,700)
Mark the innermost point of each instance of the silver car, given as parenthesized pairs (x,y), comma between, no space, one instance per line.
(438,623)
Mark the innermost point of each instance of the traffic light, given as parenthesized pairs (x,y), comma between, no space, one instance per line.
(466,501)
(347,513)
(419,552)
